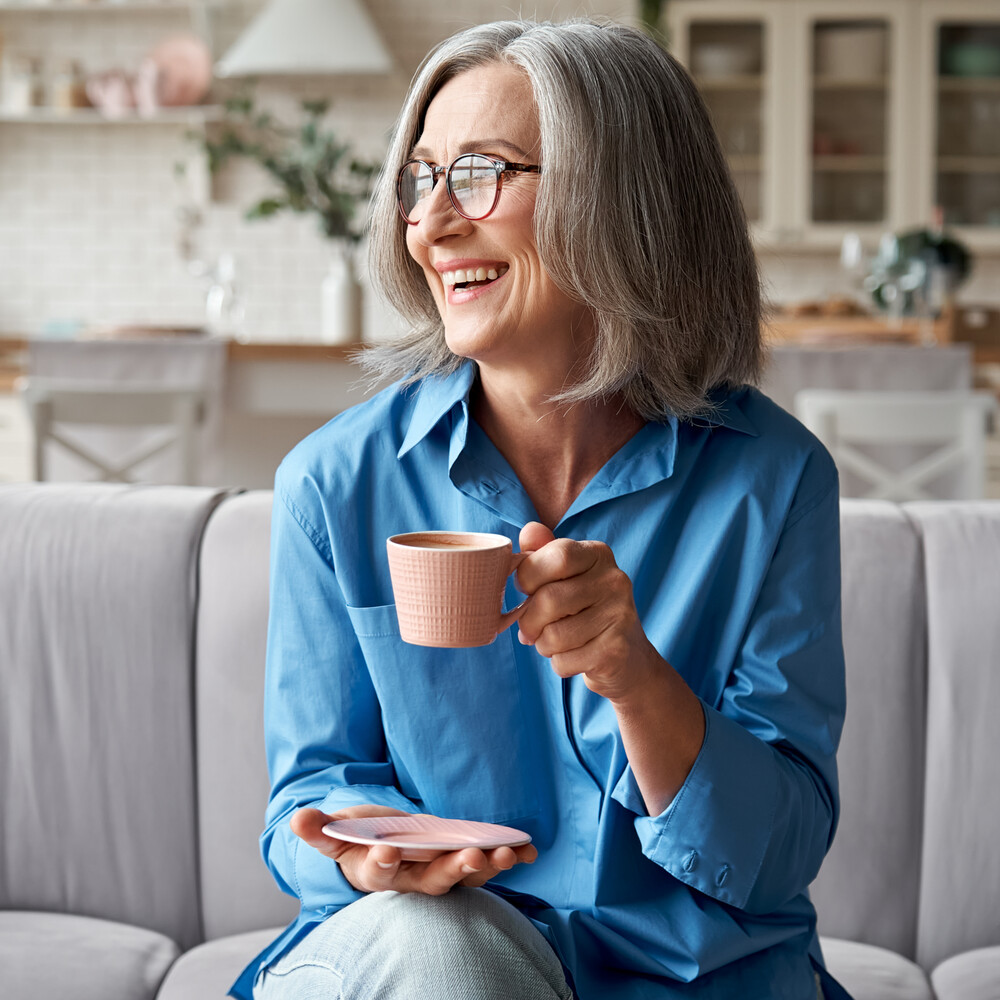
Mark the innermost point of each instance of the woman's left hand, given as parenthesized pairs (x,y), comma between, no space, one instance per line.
(581,614)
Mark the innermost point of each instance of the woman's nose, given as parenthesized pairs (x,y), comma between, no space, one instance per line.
(439,218)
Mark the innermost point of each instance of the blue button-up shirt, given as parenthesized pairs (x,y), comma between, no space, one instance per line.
(729,532)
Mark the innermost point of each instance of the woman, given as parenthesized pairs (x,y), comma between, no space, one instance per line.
(564,235)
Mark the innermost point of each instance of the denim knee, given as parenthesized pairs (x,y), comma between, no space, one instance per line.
(463,945)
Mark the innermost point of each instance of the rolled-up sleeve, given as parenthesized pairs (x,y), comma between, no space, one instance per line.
(323,734)
(756,814)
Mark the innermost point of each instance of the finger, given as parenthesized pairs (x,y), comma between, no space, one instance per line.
(593,631)
(554,602)
(533,536)
(498,860)
(438,876)
(308,824)
(561,559)
(526,854)
(380,868)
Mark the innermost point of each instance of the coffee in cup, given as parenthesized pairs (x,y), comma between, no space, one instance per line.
(449,586)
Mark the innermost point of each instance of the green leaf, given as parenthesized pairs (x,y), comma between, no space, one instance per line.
(265,208)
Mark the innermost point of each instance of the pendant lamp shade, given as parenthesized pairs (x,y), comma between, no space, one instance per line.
(307,37)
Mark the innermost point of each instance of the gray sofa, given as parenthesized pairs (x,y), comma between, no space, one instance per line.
(133,782)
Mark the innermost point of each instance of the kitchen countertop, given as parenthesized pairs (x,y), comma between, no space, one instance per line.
(780,328)
(14,346)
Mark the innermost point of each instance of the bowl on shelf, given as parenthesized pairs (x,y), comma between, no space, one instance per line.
(850,52)
(971,59)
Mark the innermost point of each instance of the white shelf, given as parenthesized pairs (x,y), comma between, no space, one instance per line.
(834,83)
(969,84)
(748,82)
(968,165)
(848,164)
(196,114)
(102,6)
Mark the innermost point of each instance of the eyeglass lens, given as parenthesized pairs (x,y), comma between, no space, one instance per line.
(472,182)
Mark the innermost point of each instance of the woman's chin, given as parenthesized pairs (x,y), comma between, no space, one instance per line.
(472,344)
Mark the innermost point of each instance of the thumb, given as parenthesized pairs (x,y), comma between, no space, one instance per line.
(308,824)
(533,536)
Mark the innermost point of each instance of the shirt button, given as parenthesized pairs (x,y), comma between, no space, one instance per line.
(723,876)
(690,862)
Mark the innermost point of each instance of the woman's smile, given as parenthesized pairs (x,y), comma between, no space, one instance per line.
(465,280)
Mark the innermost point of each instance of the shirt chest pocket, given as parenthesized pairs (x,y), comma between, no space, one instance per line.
(453,721)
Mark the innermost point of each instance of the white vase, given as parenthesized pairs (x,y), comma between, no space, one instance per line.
(340,314)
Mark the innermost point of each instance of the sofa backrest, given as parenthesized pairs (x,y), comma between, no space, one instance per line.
(97,604)
(104,621)
(237,892)
(868,887)
(960,872)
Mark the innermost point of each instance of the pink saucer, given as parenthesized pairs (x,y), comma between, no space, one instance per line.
(423,838)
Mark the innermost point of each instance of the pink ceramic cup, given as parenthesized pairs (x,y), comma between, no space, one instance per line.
(449,586)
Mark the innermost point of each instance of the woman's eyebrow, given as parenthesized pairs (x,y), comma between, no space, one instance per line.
(472,146)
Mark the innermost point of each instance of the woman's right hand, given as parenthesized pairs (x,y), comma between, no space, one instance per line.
(381,867)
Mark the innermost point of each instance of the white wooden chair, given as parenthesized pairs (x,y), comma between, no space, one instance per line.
(168,418)
(949,428)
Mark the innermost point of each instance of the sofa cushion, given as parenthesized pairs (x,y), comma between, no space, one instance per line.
(97,587)
(238,893)
(868,972)
(867,888)
(207,972)
(48,955)
(960,882)
(974,975)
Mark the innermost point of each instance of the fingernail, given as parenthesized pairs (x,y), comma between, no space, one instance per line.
(468,869)
(385,864)
(521,639)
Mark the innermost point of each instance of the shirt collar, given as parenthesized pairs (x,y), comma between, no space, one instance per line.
(436,395)
(729,411)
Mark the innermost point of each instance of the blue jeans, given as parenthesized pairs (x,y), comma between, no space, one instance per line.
(466,945)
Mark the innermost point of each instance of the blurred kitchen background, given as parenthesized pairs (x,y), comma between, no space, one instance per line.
(864,136)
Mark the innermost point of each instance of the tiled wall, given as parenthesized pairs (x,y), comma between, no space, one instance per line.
(89,213)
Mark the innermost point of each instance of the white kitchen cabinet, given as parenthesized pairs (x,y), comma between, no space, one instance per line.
(959,130)
(732,48)
(847,115)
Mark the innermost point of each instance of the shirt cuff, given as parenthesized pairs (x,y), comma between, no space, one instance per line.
(714,834)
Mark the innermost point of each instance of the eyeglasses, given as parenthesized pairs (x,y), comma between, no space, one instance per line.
(473,180)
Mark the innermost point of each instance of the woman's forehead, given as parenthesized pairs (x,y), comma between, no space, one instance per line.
(487,104)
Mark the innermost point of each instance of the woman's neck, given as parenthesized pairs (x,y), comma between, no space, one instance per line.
(554,449)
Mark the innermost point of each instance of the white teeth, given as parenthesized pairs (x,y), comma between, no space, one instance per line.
(461,274)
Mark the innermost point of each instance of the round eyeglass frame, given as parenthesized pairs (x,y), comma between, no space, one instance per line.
(500,165)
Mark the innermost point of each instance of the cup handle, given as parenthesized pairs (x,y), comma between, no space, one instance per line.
(509,617)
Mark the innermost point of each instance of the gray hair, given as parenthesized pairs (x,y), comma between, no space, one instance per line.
(636,216)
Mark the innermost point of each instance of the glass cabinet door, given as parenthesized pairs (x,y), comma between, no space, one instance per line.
(966,152)
(727,61)
(850,121)
(728,47)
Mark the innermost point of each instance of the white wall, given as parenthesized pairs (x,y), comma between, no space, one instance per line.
(88,213)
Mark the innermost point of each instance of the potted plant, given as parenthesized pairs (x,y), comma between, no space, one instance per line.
(313,172)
